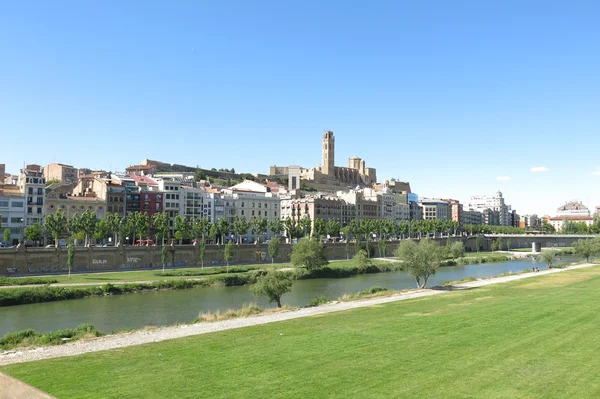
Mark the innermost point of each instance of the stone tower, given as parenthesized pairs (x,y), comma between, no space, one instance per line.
(327,167)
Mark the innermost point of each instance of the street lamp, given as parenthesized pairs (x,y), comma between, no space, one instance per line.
(22,236)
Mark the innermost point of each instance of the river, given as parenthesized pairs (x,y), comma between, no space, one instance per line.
(111,313)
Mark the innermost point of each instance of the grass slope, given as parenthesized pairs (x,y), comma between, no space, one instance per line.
(528,339)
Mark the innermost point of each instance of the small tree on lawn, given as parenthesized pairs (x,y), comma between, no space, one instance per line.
(202,250)
(585,248)
(420,260)
(361,260)
(457,249)
(273,285)
(273,248)
(164,256)
(6,235)
(309,253)
(499,244)
(548,257)
(70,254)
(382,245)
(478,242)
(228,253)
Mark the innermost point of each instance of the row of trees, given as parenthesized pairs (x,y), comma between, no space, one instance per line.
(140,226)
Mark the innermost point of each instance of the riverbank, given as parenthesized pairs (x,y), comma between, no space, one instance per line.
(168,333)
(15,295)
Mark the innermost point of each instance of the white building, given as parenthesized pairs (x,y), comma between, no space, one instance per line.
(33,186)
(250,199)
(573,208)
(12,211)
(494,203)
(435,209)
(196,203)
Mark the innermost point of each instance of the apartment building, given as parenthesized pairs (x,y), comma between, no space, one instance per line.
(32,184)
(435,209)
(498,213)
(61,172)
(12,212)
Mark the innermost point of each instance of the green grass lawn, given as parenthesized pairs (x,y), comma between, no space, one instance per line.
(535,338)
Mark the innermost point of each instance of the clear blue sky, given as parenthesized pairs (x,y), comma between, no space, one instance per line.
(448,95)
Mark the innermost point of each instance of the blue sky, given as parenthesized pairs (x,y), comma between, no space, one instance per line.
(450,96)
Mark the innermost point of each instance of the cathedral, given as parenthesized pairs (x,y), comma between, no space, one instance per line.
(355,174)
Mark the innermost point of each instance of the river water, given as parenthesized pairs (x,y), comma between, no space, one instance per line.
(111,313)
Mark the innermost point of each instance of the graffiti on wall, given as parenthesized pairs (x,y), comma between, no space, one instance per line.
(99,261)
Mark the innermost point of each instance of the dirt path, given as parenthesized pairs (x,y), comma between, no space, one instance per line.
(166,333)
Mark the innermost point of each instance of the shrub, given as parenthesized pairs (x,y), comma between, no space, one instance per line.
(33,338)
(320,300)
(26,281)
(309,253)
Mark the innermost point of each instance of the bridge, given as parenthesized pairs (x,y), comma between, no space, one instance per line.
(536,242)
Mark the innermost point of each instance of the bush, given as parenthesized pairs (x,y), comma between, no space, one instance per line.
(320,300)
(33,338)
(309,253)
(4,281)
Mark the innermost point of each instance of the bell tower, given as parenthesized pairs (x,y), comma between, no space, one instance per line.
(327,166)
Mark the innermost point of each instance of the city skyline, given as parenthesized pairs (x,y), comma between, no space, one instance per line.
(459,100)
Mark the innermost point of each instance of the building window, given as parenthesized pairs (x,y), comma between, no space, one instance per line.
(29,209)
(242,212)
(259,204)
(242,204)
(3,204)
(258,213)
(252,213)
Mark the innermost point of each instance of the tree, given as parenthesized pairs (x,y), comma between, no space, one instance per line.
(457,249)
(478,242)
(382,245)
(276,227)
(164,256)
(56,223)
(319,228)
(102,231)
(113,221)
(305,226)
(333,228)
(6,235)
(309,253)
(70,254)
(361,260)
(87,225)
(420,260)
(228,253)
(274,284)
(548,257)
(259,226)
(240,227)
(182,226)
(202,252)
(586,248)
(74,226)
(34,232)
(222,228)
(199,175)
(160,222)
(499,244)
(273,248)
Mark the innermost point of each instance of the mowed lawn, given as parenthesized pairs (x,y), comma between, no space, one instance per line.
(534,338)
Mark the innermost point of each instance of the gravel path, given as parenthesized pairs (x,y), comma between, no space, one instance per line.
(8,287)
(166,333)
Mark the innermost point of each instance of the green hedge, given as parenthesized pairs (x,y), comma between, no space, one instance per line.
(4,281)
